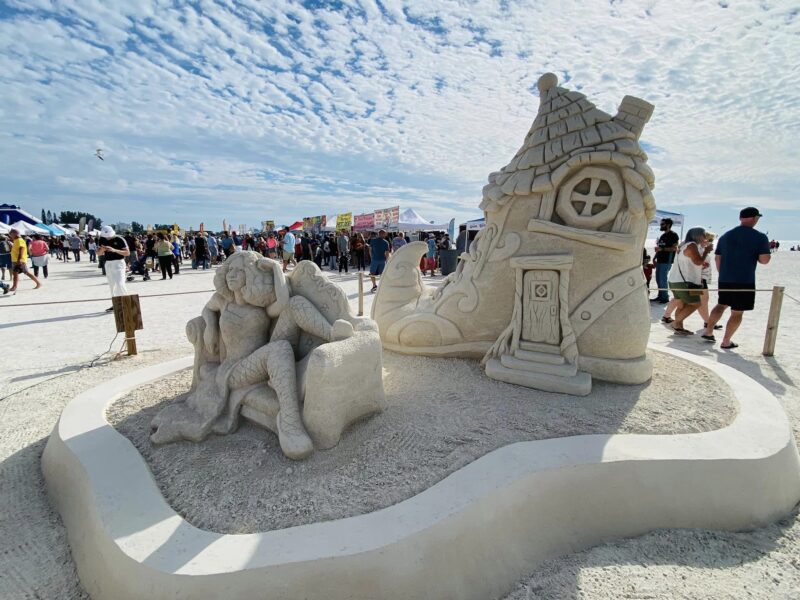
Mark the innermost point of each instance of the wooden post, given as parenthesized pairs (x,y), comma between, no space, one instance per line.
(772,320)
(128,318)
(360,293)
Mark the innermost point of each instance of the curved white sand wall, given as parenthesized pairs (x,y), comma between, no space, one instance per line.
(472,535)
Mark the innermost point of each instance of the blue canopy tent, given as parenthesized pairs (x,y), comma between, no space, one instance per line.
(53,229)
(11,213)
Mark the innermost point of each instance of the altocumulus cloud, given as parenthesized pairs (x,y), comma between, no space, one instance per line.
(251,110)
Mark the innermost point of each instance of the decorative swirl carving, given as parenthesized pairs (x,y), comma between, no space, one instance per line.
(469,302)
(511,243)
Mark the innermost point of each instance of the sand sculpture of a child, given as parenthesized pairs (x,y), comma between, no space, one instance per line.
(246,342)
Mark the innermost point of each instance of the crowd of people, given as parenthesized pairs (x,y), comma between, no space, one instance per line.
(338,251)
(14,253)
(684,268)
(165,252)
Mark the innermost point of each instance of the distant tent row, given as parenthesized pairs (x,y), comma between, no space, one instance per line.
(409,222)
(28,229)
(13,217)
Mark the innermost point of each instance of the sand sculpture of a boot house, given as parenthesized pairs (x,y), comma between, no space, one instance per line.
(551,293)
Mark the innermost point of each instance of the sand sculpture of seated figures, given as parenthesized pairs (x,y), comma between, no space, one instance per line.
(254,345)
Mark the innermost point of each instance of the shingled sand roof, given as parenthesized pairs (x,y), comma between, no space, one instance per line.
(568,124)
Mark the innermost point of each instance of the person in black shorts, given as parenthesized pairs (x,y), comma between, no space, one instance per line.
(738,253)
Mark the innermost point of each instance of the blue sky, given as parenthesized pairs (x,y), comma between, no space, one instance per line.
(255,110)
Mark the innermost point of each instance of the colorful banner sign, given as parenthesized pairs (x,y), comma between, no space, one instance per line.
(364,222)
(344,221)
(269,225)
(381,217)
(314,224)
(387,217)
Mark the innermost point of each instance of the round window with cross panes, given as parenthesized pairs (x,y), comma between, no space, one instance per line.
(591,198)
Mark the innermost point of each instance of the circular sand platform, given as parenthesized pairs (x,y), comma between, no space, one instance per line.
(513,507)
(441,415)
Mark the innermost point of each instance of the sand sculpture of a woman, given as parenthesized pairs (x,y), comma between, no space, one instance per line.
(246,342)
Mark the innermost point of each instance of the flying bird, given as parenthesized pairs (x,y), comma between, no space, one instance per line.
(99,154)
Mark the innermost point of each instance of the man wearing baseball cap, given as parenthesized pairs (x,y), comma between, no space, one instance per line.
(738,253)
(115,249)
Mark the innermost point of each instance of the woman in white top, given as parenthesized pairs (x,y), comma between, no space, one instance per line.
(686,278)
(91,248)
(705,279)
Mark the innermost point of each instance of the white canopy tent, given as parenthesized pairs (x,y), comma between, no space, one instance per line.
(677,221)
(68,230)
(410,220)
(4,228)
(476,224)
(28,229)
(330,223)
(472,227)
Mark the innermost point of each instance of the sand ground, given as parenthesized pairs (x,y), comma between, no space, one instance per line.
(47,350)
(242,483)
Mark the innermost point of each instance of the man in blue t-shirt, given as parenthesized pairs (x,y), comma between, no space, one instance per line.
(237,242)
(288,250)
(738,253)
(226,244)
(379,251)
(398,242)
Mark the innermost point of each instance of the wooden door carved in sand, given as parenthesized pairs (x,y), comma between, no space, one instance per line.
(540,317)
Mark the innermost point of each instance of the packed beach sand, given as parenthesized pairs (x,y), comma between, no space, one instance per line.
(48,358)
(242,483)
